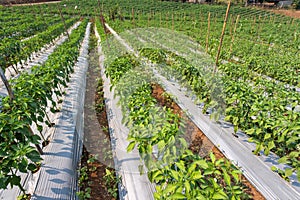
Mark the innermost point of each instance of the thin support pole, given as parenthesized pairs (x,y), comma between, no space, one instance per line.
(234,30)
(208,32)
(7,85)
(172,21)
(11,97)
(222,36)
(132,15)
(62,18)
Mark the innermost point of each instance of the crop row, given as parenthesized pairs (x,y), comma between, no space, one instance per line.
(158,134)
(175,170)
(33,93)
(23,29)
(266,110)
(254,40)
(14,51)
(271,125)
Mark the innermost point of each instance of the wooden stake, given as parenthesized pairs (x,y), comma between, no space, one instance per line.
(222,36)
(132,15)
(292,21)
(167,17)
(100,11)
(232,38)
(201,21)
(11,97)
(62,18)
(231,23)
(7,85)
(36,145)
(160,19)
(208,32)
(172,21)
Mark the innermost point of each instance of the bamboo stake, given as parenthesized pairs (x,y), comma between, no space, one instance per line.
(292,21)
(231,23)
(100,11)
(201,20)
(62,18)
(259,25)
(160,19)
(235,27)
(36,145)
(222,36)
(172,21)
(208,32)
(11,97)
(167,18)
(274,19)
(7,85)
(132,15)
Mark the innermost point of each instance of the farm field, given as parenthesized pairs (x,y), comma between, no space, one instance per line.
(148,100)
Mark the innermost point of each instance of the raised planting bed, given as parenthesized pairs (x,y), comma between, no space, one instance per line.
(236,149)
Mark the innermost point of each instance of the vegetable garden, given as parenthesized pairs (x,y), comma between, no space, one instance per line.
(189,115)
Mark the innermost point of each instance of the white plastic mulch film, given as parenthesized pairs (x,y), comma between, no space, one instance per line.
(168,43)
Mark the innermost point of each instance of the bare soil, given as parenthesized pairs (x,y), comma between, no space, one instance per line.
(96,138)
(199,143)
(26,2)
(290,13)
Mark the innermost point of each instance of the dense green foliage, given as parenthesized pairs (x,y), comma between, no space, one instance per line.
(177,172)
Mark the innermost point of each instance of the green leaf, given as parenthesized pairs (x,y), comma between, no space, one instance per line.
(267,136)
(235,121)
(202,164)
(235,128)
(131,146)
(34,156)
(288,172)
(226,178)
(274,169)
(178,195)
(40,119)
(170,188)
(283,159)
(250,131)
(212,157)
(220,195)
(15,180)
(196,175)
(181,166)
(161,145)
(187,187)
(31,167)
(192,167)
(175,175)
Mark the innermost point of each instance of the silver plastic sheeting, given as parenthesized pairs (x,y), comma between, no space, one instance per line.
(256,169)
(58,174)
(239,150)
(29,179)
(133,186)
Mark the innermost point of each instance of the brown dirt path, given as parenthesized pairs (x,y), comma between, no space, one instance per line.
(290,13)
(37,2)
